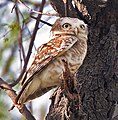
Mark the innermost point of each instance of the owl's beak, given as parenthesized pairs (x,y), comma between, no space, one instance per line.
(76,31)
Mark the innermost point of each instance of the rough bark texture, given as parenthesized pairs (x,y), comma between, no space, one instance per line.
(99,73)
(66,99)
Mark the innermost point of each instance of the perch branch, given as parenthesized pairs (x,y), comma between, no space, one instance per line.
(12,94)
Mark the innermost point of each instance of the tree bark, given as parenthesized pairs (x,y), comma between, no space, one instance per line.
(98,75)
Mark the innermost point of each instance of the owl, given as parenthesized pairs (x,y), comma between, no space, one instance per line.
(69,43)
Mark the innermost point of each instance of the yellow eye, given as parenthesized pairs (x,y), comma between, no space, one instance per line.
(66,26)
(82,26)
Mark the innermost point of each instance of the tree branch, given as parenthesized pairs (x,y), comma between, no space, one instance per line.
(42,21)
(12,94)
(20,34)
(34,11)
(30,46)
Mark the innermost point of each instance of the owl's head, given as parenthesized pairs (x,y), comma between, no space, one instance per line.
(70,26)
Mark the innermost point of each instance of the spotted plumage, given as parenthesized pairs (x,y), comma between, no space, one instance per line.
(68,42)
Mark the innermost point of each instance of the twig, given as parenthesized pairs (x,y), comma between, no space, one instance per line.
(12,94)
(3,36)
(13,7)
(42,21)
(30,46)
(65,7)
(34,11)
(24,23)
(20,36)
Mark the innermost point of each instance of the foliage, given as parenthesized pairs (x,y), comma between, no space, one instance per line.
(4,113)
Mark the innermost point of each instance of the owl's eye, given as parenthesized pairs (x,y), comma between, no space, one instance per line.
(82,26)
(66,26)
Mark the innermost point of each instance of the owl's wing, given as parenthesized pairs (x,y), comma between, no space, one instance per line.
(46,54)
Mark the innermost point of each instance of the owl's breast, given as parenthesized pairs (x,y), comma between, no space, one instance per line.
(75,56)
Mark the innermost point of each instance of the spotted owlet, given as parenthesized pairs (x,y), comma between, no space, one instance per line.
(68,43)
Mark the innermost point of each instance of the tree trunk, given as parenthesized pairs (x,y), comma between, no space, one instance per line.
(98,76)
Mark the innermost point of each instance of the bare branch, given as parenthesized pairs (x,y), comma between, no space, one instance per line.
(30,46)
(42,21)
(12,94)
(20,36)
(34,11)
